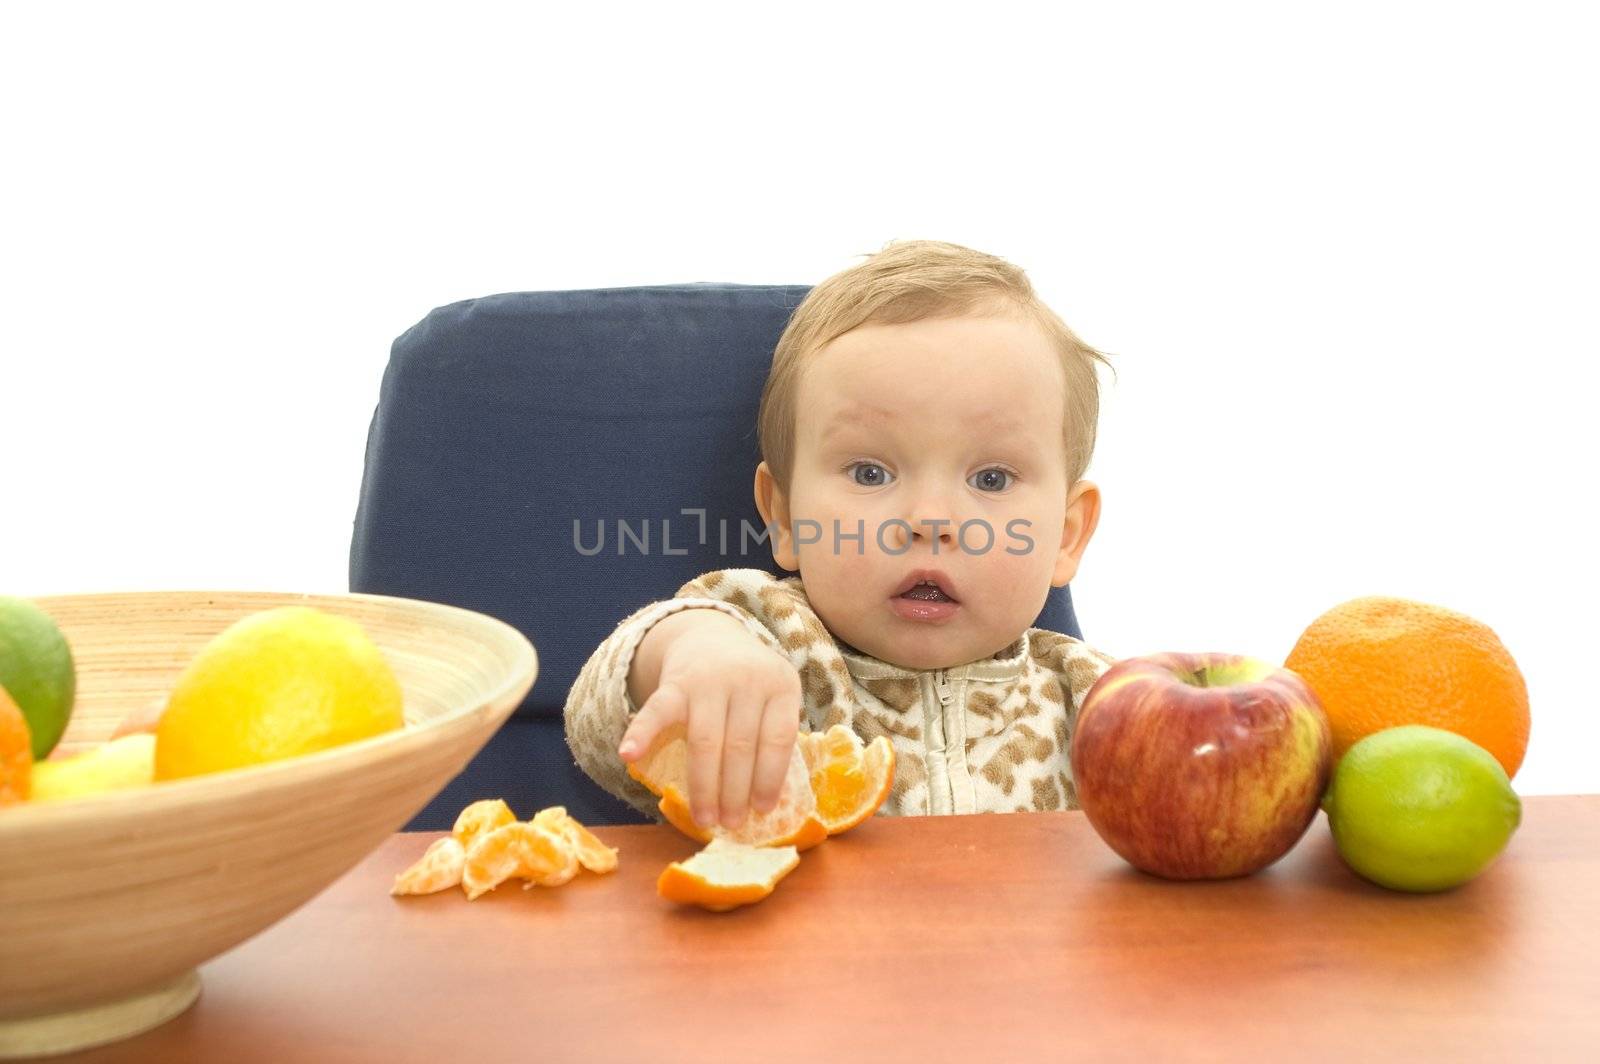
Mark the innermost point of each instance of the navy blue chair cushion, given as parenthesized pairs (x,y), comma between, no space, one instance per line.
(512,432)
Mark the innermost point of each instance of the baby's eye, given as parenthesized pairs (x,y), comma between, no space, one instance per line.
(876,475)
(991,479)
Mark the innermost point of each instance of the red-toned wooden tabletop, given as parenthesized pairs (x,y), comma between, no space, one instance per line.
(927,939)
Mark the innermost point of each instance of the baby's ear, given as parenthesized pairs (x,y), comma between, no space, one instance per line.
(1083,514)
(774,509)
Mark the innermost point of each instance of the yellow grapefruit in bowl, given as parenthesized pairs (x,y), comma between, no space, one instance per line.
(276,684)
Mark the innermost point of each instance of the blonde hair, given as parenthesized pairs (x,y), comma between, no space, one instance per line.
(916,280)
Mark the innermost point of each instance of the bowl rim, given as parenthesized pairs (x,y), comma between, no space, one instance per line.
(270,775)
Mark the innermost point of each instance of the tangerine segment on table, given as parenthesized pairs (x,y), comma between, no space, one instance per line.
(548,858)
(1380,662)
(494,857)
(546,851)
(664,770)
(517,849)
(727,874)
(480,818)
(593,854)
(439,869)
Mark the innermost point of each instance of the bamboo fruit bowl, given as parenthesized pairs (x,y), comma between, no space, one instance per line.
(109,903)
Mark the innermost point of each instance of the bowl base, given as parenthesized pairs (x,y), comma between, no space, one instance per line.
(94,1025)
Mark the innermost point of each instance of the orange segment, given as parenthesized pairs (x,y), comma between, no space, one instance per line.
(593,854)
(547,851)
(439,869)
(494,857)
(664,769)
(850,781)
(517,849)
(548,859)
(727,874)
(480,818)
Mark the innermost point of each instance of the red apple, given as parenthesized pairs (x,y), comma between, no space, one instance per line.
(1200,766)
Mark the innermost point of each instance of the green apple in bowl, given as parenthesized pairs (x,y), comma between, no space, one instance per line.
(1200,766)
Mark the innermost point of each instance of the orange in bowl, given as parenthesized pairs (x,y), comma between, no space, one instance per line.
(16,752)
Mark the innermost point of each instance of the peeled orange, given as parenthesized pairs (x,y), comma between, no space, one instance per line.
(664,769)
(850,781)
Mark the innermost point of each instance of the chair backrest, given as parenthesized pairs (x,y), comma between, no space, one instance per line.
(515,430)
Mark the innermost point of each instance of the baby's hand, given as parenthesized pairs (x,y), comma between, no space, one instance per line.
(741,702)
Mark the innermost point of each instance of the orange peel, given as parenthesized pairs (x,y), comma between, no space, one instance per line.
(727,874)
(664,770)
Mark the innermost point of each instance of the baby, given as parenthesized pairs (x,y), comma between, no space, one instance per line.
(925,426)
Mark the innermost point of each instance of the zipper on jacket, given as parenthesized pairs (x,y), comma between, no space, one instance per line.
(945,802)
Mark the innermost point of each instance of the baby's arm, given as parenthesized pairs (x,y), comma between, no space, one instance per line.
(737,698)
(1077,666)
(603,699)
(1081,665)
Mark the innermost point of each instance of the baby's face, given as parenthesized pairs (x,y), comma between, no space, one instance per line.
(958,421)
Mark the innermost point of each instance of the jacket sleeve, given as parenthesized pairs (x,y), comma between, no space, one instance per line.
(599,709)
(1081,665)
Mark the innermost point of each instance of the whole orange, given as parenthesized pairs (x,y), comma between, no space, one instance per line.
(1380,662)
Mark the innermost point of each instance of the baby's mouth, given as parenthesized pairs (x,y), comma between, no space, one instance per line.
(926,593)
(927,598)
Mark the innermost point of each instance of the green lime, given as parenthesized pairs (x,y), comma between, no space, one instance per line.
(1420,809)
(36,671)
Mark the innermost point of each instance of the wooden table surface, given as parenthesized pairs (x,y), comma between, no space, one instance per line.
(980,938)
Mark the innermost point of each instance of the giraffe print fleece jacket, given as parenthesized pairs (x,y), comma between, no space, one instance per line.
(988,736)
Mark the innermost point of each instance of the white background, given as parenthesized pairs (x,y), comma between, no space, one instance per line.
(1344,259)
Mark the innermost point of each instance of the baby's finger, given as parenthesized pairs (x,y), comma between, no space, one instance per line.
(707,719)
(780,724)
(667,706)
(739,757)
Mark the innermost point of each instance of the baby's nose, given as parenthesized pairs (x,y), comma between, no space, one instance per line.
(932,524)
